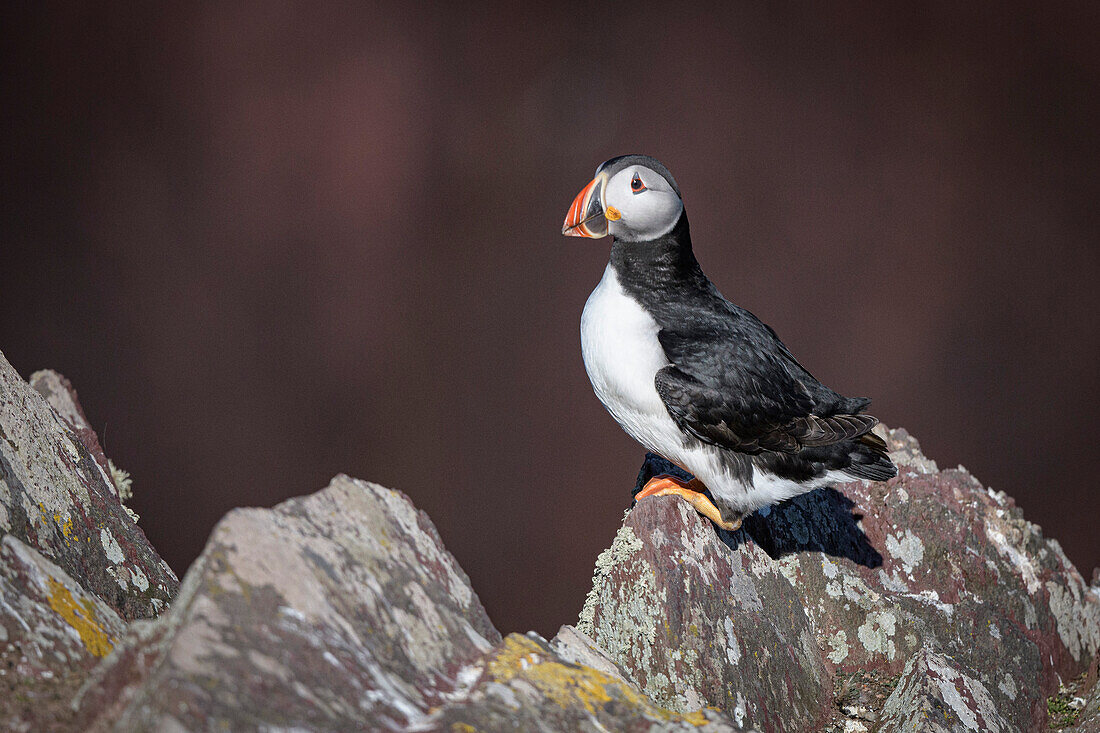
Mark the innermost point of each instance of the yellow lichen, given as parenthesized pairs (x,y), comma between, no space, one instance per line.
(66,526)
(81,617)
(570,685)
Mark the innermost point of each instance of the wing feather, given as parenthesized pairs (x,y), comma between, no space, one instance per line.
(733,383)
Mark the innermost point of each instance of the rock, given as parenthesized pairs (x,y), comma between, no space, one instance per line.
(699,622)
(56,496)
(524,684)
(931,558)
(937,694)
(926,602)
(60,394)
(52,632)
(576,647)
(883,570)
(340,610)
(1089,720)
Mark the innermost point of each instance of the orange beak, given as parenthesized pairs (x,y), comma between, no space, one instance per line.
(586,216)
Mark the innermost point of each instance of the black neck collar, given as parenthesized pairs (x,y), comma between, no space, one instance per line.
(661,270)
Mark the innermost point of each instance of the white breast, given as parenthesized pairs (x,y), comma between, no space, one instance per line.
(622,355)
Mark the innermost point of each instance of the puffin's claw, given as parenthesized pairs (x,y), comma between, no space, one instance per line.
(689,492)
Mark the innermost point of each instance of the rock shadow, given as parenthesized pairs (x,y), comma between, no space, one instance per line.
(822,520)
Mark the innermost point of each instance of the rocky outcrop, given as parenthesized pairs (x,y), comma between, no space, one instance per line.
(339,611)
(1089,721)
(52,633)
(927,566)
(938,695)
(57,496)
(926,602)
(697,623)
(60,394)
(330,612)
(526,684)
(933,560)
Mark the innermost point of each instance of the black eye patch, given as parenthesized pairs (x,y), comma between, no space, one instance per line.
(636,184)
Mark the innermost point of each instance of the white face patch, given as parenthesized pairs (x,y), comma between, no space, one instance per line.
(648,206)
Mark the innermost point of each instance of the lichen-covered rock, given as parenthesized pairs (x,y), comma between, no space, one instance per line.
(60,394)
(696,622)
(1089,720)
(337,611)
(52,632)
(58,498)
(937,694)
(577,647)
(933,559)
(524,684)
(343,611)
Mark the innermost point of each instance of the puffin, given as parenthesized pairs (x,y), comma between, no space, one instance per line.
(694,378)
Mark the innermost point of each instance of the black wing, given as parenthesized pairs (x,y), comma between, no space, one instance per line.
(733,383)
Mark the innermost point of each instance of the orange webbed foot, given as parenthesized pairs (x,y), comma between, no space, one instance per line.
(689,491)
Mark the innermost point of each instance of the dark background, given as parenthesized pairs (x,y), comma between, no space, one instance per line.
(270,242)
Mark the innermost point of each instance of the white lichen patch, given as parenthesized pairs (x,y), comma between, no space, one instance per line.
(1008,686)
(110,546)
(743,592)
(977,701)
(877,633)
(838,644)
(139,580)
(1015,556)
(122,481)
(931,597)
(935,694)
(733,646)
(1077,622)
(1031,618)
(907,548)
(739,711)
(789,566)
(907,453)
(894,581)
(852,588)
(623,547)
(120,574)
(694,545)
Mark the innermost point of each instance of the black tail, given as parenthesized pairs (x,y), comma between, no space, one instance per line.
(869,459)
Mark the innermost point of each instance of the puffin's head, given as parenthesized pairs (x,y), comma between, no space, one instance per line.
(632,197)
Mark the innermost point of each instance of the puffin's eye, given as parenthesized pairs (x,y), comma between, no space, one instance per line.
(636,184)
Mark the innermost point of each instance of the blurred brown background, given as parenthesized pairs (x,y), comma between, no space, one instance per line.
(270,242)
